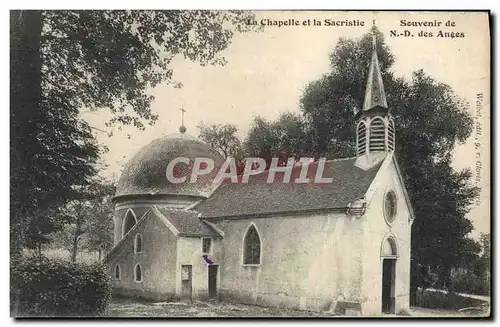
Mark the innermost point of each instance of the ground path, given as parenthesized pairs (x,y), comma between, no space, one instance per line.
(135,308)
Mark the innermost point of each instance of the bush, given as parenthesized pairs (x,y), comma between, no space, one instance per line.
(470,284)
(51,287)
(442,300)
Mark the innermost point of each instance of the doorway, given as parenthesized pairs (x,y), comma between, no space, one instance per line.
(388,285)
(212,281)
(186,282)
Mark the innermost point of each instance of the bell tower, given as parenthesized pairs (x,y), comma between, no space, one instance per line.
(375,125)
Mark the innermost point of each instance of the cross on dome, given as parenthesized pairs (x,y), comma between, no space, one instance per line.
(182,128)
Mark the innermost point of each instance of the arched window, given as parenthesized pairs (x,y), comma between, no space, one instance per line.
(377,135)
(138,243)
(389,248)
(129,222)
(251,255)
(117,272)
(138,273)
(361,133)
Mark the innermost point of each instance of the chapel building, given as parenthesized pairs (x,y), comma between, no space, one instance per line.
(341,246)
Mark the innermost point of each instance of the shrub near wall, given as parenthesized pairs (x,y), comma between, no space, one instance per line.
(471,284)
(51,287)
(439,300)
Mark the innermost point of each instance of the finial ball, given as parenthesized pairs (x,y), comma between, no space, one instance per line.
(182,129)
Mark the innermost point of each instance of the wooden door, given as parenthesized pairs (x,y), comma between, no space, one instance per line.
(212,281)
(186,282)
(388,280)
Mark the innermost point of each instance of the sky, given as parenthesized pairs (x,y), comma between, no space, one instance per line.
(267,71)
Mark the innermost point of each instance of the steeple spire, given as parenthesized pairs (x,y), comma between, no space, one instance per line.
(374,93)
(375,128)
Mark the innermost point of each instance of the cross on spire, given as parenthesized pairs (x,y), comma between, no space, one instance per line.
(374,38)
(182,115)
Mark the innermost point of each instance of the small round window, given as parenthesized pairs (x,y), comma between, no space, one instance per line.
(390,206)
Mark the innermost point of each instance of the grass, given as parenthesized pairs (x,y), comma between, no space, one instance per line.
(83,257)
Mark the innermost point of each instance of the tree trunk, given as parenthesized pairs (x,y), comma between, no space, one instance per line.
(25,94)
(447,278)
(74,248)
(100,255)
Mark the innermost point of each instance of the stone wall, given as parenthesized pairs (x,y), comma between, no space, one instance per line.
(308,262)
(376,230)
(189,252)
(157,260)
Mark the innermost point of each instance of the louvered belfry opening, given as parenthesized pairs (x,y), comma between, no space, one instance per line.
(361,133)
(391,133)
(377,135)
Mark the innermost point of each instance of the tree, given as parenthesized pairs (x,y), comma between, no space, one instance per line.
(71,235)
(485,241)
(286,137)
(45,223)
(224,140)
(62,61)
(261,140)
(439,234)
(89,222)
(99,227)
(482,267)
(221,138)
(430,120)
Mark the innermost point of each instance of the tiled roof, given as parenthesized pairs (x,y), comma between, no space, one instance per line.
(187,222)
(258,197)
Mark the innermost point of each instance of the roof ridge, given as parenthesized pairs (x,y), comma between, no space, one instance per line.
(168,223)
(127,234)
(178,209)
(178,224)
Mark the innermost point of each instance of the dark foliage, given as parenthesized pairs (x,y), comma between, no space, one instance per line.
(451,301)
(48,287)
(471,284)
(288,136)
(64,61)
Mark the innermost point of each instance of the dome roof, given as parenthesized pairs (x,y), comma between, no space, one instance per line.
(145,173)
